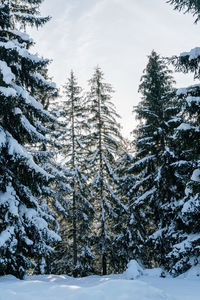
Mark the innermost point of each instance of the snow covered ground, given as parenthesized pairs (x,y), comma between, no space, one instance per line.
(147,285)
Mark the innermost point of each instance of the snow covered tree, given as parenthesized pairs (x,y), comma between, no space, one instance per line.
(76,228)
(26,235)
(154,187)
(185,243)
(124,239)
(104,143)
(56,199)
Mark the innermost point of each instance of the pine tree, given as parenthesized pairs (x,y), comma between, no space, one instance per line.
(154,188)
(184,247)
(76,228)
(104,142)
(170,188)
(124,241)
(185,244)
(25,230)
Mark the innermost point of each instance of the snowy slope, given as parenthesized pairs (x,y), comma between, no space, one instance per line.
(63,287)
(149,286)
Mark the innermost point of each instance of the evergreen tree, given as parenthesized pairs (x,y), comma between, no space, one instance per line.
(76,228)
(104,143)
(25,233)
(154,187)
(124,240)
(184,247)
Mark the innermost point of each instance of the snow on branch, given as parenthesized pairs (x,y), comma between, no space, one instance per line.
(196,175)
(193,53)
(8,76)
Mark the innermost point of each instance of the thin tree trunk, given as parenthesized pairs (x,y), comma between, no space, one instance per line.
(74,193)
(74,232)
(104,264)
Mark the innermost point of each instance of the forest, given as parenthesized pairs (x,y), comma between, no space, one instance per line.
(78,198)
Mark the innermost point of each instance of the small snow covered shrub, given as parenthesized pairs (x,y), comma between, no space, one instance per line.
(134,270)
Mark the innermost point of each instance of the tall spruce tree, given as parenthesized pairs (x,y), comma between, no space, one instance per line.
(25,234)
(185,244)
(76,227)
(104,143)
(154,188)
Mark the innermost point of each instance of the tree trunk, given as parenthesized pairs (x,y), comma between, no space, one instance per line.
(104,264)
(74,193)
(103,235)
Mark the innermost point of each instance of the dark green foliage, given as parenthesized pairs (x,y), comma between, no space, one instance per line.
(4,15)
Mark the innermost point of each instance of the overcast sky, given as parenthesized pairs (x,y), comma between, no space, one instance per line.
(117,35)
